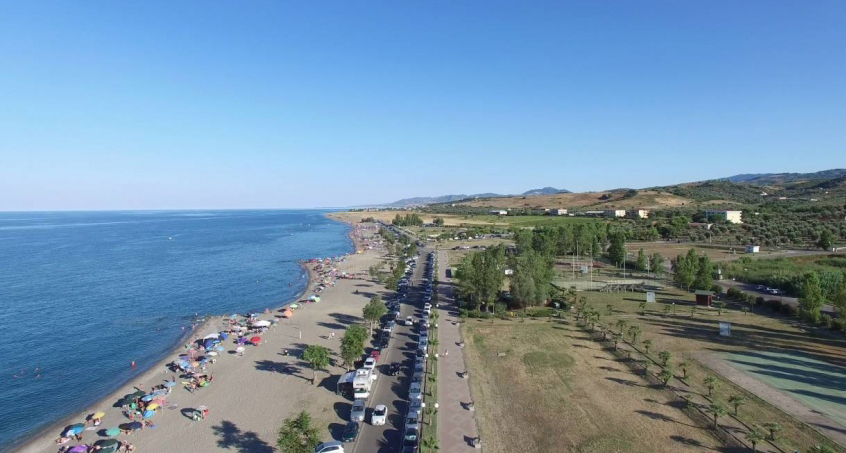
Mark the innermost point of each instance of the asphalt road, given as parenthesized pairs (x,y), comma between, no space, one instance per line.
(392,391)
(750,288)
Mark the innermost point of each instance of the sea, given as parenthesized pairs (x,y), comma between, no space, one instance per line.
(83,294)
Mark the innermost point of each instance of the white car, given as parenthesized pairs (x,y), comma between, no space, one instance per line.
(358,410)
(369,364)
(409,321)
(380,414)
(329,447)
(427,306)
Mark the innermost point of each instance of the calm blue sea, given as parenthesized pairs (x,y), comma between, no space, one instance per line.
(84,293)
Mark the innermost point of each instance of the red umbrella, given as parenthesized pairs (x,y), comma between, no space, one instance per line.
(255,340)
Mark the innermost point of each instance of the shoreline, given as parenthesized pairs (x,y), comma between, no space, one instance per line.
(30,442)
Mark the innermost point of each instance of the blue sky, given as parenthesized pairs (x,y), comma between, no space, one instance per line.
(222,104)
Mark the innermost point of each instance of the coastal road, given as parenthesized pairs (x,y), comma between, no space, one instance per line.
(392,391)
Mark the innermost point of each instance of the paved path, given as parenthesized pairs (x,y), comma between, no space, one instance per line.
(456,425)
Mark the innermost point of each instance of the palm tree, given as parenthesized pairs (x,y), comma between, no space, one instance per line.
(683,365)
(646,364)
(667,309)
(430,444)
(621,324)
(717,410)
(736,401)
(634,331)
(687,397)
(754,437)
(642,307)
(666,375)
(610,309)
(617,338)
(720,305)
(646,345)
(711,383)
(773,428)
(665,357)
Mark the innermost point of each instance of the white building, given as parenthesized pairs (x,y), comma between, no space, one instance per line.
(498,212)
(753,248)
(638,213)
(728,216)
(557,211)
(614,213)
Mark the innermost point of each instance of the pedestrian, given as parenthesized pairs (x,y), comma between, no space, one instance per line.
(132,364)
(446,352)
(332,335)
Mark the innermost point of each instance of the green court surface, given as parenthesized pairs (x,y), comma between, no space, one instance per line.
(819,385)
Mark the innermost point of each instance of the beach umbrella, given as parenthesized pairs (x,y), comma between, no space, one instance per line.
(224,335)
(98,414)
(148,414)
(211,336)
(219,348)
(112,432)
(195,363)
(169,383)
(107,445)
(161,402)
(76,428)
(159,392)
(147,398)
(139,393)
(240,349)
(81,448)
(255,340)
(262,323)
(152,406)
(212,353)
(131,426)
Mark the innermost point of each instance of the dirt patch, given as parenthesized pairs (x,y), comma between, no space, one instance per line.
(545,386)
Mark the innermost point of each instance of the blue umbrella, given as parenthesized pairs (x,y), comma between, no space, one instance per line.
(148,414)
(147,398)
(223,336)
(76,429)
(169,384)
(220,349)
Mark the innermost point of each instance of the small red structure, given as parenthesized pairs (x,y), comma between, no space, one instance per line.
(704,297)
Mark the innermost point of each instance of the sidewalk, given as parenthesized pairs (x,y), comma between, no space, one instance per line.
(456,425)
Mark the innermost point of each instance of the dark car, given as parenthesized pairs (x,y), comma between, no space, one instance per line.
(394,369)
(409,439)
(351,431)
(383,342)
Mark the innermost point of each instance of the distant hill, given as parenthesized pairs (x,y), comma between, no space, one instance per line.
(419,201)
(766,179)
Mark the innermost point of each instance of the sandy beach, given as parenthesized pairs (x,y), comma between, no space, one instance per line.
(252,394)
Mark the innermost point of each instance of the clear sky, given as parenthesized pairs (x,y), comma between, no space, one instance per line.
(294,103)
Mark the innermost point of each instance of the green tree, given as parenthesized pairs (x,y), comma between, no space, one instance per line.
(374,310)
(617,249)
(642,307)
(646,345)
(642,262)
(825,240)
(754,438)
(811,298)
(318,359)
(634,331)
(533,272)
(621,324)
(710,382)
(683,365)
(617,338)
(773,428)
(439,221)
(736,401)
(352,343)
(480,276)
(717,410)
(838,297)
(704,274)
(656,263)
(609,309)
(297,435)
(665,357)
(684,271)
(821,449)
(666,375)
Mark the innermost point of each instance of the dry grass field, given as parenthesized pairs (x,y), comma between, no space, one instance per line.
(689,334)
(544,387)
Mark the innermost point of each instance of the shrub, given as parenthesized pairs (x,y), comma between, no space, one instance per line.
(717,289)
(825,321)
(539,312)
(773,304)
(790,310)
(837,324)
(759,301)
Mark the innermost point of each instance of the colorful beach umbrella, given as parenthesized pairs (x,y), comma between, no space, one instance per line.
(148,414)
(76,428)
(112,432)
(81,448)
(147,398)
(211,336)
(132,426)
(98,414)
(255,340)
(213,353)
(219,348)
(152,406)
(107,445)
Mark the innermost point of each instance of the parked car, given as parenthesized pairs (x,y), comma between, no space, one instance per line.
(412,420)
(410,437)
(409,321)
(415,391)
(351,431)
(358,409)
(369,364)
(329,447)
(379,415)
(375,354)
